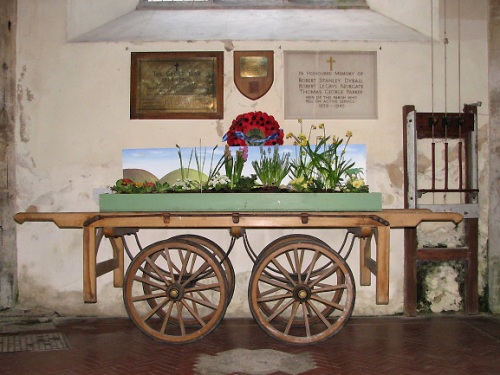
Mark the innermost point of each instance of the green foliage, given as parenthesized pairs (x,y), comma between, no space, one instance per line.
(272,167)
(320,163)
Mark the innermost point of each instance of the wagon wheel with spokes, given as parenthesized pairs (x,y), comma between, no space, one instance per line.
(294,292)
(219,253)
(187,294)
(213,249)
(273,272)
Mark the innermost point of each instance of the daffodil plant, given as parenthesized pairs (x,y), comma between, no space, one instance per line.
(320,163)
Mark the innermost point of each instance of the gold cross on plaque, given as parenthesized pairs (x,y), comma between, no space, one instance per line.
(330,61)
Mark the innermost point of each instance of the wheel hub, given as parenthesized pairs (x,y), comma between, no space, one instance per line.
(302,292)
(175,292)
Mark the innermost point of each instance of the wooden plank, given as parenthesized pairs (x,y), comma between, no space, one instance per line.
(397,218)
(382,236)
(442,253)
(410,271)
(61,219)
(365,274)
(89,265)
(106,266)
(118,254)
(372,266)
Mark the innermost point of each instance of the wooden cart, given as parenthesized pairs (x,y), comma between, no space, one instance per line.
(301,291)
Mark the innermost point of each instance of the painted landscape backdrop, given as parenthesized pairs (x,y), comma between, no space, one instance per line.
(163,164)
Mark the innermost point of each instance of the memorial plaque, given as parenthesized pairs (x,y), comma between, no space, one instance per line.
(176,85)
(330,85)
(253,72)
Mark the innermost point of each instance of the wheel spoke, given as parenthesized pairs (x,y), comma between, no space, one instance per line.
(202,302)
(298,262)
(290,262)
(283,271)
(274,297)
(292,317)
(181,318)
(145,297)
(145,280)
(155,309)
(310,268)
(305,314)
(324,274)
(274,282)
(194,313)
(270,291)
(328,303)
(172,267)
(319,315)
(279,311)
(184,262)
(192,277)
(202,287)
(166,318)
(158,271)
(329,288)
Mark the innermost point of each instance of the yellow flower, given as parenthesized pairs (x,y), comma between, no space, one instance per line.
(321,126)
(358,183)
(302,140)
(289,135)
(348,134)
(313,127)
(297,180)
(300,121)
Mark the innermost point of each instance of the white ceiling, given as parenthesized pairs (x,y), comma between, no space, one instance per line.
(146,25)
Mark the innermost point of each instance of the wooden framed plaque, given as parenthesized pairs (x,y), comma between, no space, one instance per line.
(176,85)
(253,72)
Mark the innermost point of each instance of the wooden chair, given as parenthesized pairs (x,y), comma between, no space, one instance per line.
(446,143)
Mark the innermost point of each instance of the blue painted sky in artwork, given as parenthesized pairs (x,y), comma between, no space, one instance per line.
(160,161)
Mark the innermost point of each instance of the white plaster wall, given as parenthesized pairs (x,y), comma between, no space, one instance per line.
(73,122)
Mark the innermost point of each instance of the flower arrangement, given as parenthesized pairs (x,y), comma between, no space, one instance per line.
(254,129)
(320,163)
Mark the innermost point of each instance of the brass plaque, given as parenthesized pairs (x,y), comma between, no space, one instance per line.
(253,66)
(169,85)
(253,72)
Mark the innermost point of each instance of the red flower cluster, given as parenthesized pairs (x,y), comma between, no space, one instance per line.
(254,129)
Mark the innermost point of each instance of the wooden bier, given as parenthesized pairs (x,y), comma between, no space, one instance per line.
(112,225)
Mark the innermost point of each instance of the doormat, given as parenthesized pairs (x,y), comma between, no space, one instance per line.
(33,342)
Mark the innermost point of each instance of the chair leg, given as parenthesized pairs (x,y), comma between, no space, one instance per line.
(410,272)
(471,302)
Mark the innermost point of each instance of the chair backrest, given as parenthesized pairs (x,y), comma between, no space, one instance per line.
(440,160)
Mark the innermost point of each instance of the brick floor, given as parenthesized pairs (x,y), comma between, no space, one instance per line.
(438,344)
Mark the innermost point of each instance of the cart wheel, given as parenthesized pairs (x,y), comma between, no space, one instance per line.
(295,237)
(301,293)
(187,291)
(268,309)
(219,253)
